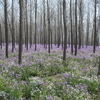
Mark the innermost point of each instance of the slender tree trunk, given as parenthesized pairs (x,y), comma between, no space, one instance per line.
(76,27)
(61,32)
(30,24)
(41,33)
(55,31)
(20,32)
(44,23)
(26,27)
(80,24)
(97,41)
(16,34)
(48,13)
(69,39)
(0,37)
(6,27)
(51,38)
(58,36)
(80,33)
(94,45)
(65,30)
(92,38)
(35,24)
(13,33)
(25,32)
(71,27)
(62,40)
(88,21)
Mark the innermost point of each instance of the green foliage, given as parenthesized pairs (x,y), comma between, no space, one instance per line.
(26,91)
(33,72)
(44,76)
(2,83)
(15,93)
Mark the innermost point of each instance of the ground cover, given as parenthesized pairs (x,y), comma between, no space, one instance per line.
(43,76)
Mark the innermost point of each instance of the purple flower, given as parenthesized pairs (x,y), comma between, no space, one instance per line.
(49,98)
(66,75)
(0,65)
(65,83)
(23,82)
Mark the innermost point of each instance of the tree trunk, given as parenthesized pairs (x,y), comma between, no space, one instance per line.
(0,37)
(94,45)
(65,30)
(44,24)
(6,27)
(51,38)
(55,31)
(26,28)
(71,27)
(58,37)
(35,24)
(48,13)
(88,21)
(80,24)
(30,24)
(76,27)
(20,32)
(13,33)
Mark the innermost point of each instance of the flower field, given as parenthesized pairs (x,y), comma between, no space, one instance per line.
(44,76)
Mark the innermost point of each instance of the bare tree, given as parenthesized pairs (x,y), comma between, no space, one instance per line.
(51,37)
(13,35)
(65,30)
(26,26)
(61,31)
(80,23)
(94,45)
(71,27)
(48,13)
(88,21)
(44,25)
(6,27)
(76,27)
(20,31)
(30,23)
(55,30)
(0,37)
(58,36)
(35,37)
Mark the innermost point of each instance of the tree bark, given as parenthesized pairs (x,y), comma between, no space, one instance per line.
(94,45)
(30,24)
(71,27)
(44,24)
(35,24)
(88,21)
(48,15)
(0,37)
(65,30)
(20,32)
(76,27)
(6,27)
(13,33)
(26,27)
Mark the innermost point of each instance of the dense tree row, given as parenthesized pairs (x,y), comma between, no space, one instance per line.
(47,22)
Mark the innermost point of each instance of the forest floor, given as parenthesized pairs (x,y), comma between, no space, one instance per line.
(43,76)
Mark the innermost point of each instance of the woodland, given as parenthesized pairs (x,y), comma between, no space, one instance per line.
(49,50)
